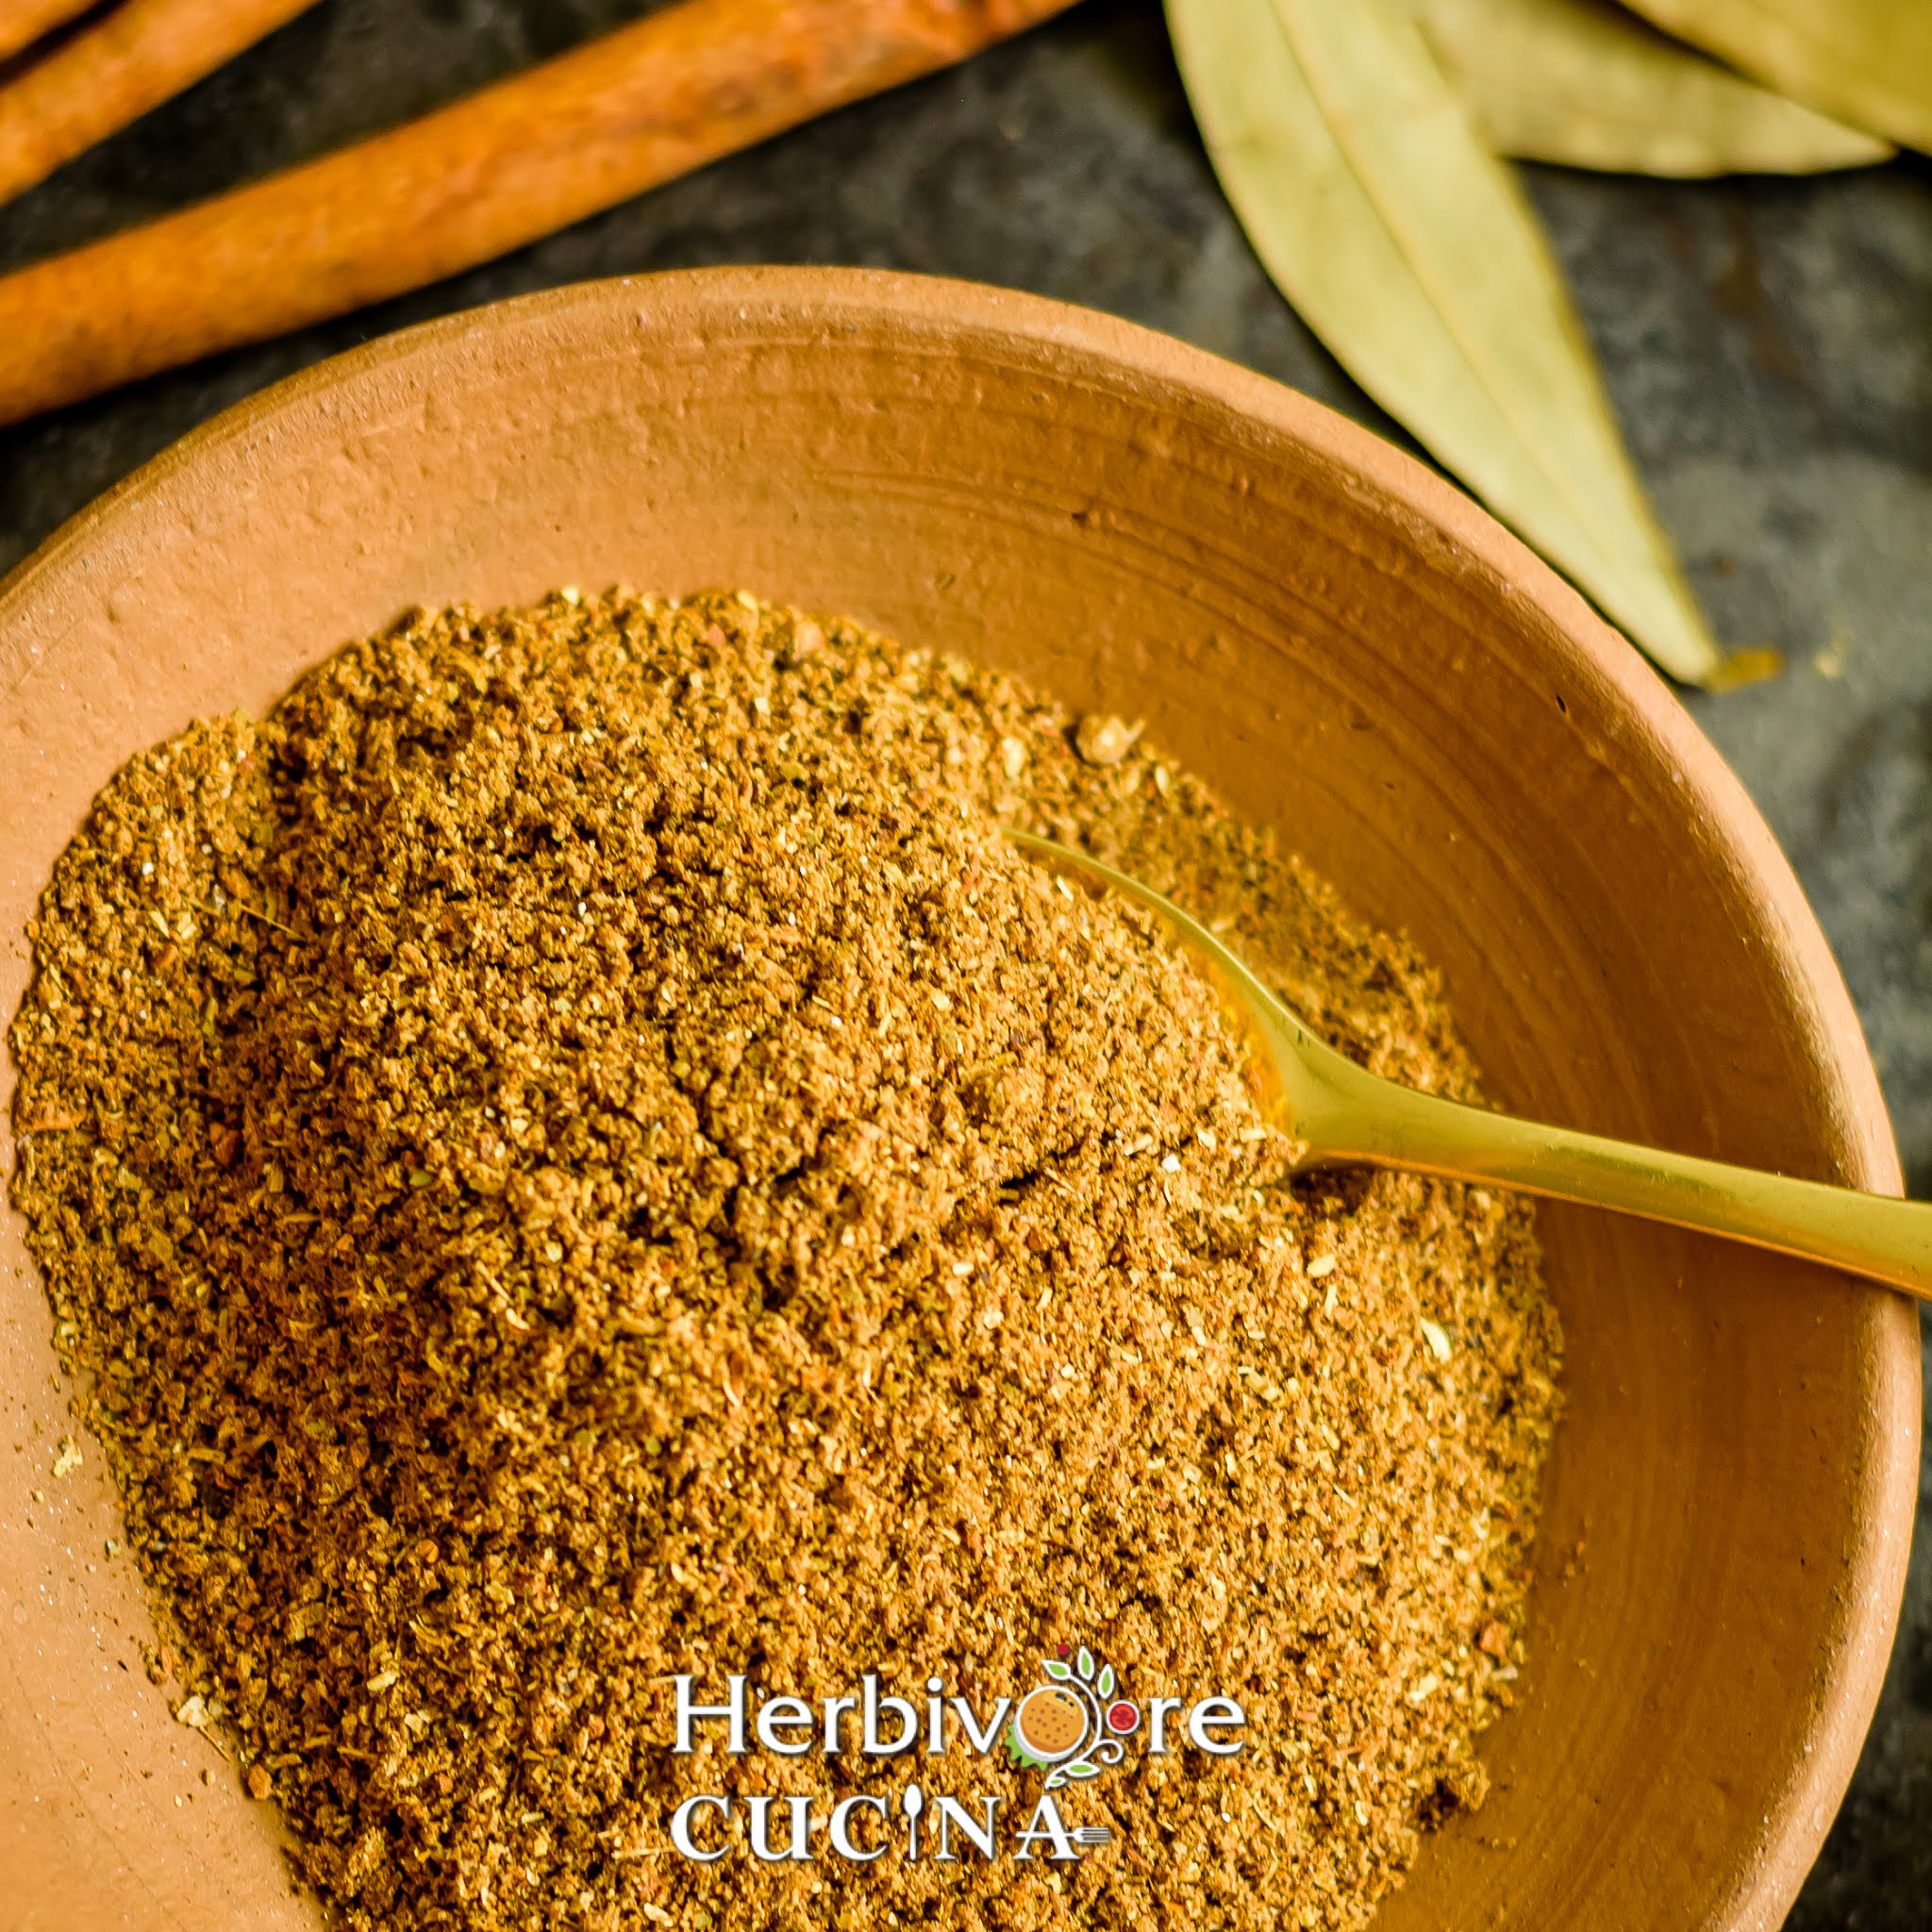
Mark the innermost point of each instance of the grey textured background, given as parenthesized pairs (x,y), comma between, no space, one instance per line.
(1768,345)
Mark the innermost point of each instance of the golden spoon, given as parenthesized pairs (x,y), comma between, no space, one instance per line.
(1346,1116)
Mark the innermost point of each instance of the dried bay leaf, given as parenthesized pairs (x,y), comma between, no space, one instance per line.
(1870,61)
(1588,85)
(1409,250)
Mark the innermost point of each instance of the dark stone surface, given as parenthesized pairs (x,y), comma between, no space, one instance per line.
(1768,345)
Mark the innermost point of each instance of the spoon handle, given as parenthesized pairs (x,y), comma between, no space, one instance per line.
(1875,1235)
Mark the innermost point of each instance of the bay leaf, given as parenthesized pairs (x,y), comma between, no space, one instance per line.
(1409,248)
(1870,61)
(1590,85)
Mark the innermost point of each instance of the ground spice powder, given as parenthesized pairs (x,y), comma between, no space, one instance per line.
(575,1152)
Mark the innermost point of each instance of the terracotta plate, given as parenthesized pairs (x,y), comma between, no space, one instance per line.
(1354,653)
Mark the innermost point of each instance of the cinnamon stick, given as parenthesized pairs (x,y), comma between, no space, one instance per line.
(142,53)
(23,21)
(472,182)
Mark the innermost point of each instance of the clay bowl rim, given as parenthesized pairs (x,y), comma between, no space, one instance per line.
(1142,364)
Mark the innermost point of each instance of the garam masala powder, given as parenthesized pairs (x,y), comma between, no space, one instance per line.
(575,1155)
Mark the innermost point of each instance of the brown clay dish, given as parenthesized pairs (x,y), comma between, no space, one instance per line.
(1354,653)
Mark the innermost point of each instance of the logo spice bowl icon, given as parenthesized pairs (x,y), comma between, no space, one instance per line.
(1072,1725)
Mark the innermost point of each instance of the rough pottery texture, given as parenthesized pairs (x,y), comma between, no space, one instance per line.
(1346,650)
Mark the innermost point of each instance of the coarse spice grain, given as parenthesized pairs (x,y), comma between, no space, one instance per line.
(575,1152)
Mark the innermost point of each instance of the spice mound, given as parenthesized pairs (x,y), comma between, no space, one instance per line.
(585,1181)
